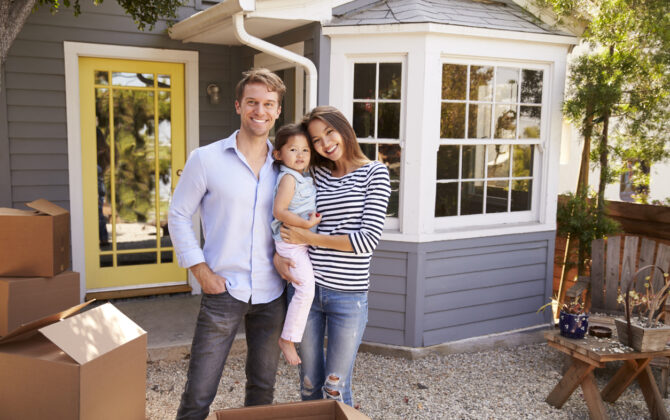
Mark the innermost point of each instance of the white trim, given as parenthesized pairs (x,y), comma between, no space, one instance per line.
(72,52)
(467,232)
(133,287)
(273,63)
(436,28)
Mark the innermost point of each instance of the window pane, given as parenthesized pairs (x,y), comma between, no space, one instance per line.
(447,162)
(389,154)
(390,80)
(370,150)
(472,198)
(523,160)
(507,84)
(473,161)
(496,196)
(364,80)
(364,123)
(479,121)
(505,122)
(132,79)
(452,122)
(394,200)
(388,125)
(521,194)
(498,161)
(529,122)
(481,83)
(454,81)
(446,199)
(531,86)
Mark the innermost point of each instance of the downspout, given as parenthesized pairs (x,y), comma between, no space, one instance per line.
(310,69)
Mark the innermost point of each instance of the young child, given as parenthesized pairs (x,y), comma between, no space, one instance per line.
(295,205)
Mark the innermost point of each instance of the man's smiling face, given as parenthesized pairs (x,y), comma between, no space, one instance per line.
(258,109)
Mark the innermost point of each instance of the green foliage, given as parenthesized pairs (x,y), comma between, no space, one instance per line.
(145,13)
(581,218)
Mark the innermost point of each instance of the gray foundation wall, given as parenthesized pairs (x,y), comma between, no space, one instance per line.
(431,293)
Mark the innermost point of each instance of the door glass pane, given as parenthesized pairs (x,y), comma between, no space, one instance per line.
(454,81)
(472,197)
(389,121)
(496,196)
(103,167)
(132,79)
(446,199)
(507,84)
(364,80)
(364,123)
(163,80)
(167,257)
(479,121)
(164,164)
(498,161)
(138,258)
(390,80)
(135,169)
(474,161)
(101,77)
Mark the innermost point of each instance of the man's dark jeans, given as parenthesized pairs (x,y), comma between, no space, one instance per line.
(220,316)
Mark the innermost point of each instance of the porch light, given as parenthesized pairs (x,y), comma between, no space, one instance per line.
(213,92)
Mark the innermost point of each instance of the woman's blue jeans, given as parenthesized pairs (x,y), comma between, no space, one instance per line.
(343,315)
(219,318)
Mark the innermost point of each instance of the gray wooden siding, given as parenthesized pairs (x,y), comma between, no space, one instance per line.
(33,130)
(431,293)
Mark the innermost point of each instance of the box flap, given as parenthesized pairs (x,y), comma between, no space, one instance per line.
(46,207)
(5,211)
(93,333)
(30,328)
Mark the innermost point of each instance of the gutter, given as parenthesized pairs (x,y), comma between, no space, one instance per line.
(310,69)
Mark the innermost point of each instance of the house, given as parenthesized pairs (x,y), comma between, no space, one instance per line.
(461,99)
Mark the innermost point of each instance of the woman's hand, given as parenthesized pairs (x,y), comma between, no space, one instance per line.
(294,235)
(283,267)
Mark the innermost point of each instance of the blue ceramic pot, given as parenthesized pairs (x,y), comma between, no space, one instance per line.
(573,326)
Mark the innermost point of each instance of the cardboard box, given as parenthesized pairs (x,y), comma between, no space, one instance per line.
(90,366)
(34,243)
(26,299)
(305,410)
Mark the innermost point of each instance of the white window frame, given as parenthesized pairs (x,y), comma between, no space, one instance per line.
(392,223)
(510,217)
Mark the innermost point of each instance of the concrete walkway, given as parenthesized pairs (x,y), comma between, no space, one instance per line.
(170,322)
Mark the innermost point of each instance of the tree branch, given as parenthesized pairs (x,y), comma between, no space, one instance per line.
(13,15)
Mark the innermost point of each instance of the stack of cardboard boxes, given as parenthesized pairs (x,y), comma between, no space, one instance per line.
(53,363)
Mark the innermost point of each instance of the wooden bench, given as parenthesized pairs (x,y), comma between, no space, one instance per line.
(610,272)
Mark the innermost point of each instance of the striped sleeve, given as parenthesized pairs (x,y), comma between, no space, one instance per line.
(377,194)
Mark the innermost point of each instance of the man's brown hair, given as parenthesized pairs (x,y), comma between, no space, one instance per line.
(263,76)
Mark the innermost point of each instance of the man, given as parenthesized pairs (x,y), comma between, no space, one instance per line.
(231,182)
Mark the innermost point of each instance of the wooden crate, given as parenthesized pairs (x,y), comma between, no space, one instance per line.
(644,339)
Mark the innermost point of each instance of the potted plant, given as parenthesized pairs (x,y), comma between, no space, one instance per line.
(573,320)
(646,333)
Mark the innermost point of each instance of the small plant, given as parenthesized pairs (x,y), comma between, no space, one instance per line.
(650,303)
(575,307)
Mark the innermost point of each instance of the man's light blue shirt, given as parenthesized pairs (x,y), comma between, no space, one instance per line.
(236,212)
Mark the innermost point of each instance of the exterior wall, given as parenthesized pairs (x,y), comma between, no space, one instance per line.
(436,292)
(35,137)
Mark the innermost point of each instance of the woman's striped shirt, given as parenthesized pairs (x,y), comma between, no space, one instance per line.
(353,205)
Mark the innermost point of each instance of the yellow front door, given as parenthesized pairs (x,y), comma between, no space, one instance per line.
(133,148)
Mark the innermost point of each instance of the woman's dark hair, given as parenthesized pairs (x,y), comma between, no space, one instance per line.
(285,133)
(332,117)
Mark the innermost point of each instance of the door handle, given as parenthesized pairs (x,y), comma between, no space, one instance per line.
(179,171)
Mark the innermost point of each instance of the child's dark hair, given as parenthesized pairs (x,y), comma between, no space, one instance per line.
(286,132)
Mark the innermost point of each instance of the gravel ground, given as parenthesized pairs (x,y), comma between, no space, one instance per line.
(508,383)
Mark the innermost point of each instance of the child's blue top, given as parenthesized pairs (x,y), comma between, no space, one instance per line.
(304,198)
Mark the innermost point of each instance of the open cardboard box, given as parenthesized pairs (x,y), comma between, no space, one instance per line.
(305,410)
(34,243)
(88,366)
(26,299)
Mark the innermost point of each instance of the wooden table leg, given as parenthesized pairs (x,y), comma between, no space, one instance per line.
(651,394)
(593,399)
(570,381)
(622,379)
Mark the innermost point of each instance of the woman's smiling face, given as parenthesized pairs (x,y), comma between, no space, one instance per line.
(326,140)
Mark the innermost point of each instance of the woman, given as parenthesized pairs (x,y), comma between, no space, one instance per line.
(352,195)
